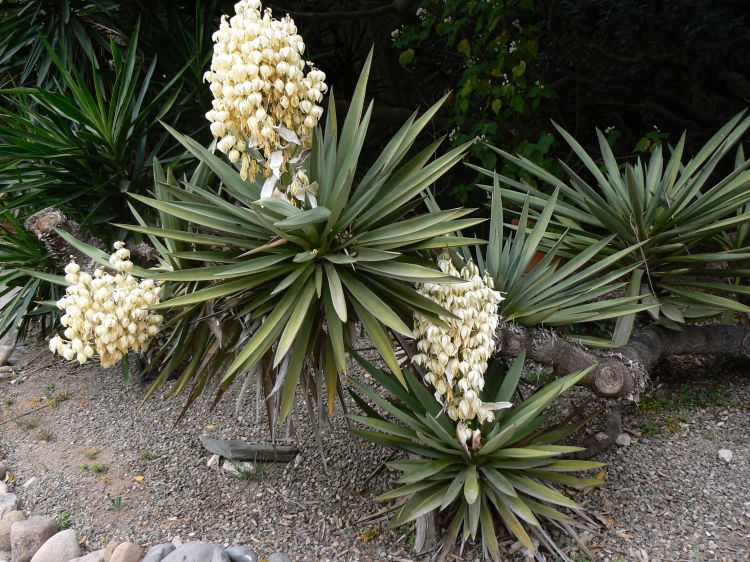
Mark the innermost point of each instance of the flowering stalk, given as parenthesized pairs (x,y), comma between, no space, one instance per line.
(263,98)
(106,314)
(455,353)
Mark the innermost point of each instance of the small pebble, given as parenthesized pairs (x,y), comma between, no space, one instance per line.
(725,455)
(624,440)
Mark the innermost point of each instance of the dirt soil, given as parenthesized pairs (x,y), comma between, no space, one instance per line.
(118,470)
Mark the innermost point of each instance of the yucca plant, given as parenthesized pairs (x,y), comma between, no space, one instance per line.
(514,477)
(261,285)
(671,211)
(27,279)
(83,146)
(78,29)
(552,290)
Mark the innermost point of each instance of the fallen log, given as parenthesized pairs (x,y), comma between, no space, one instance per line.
(623,372)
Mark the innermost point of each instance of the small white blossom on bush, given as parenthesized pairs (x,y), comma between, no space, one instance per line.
(262,96)
(455,355)
(106,314)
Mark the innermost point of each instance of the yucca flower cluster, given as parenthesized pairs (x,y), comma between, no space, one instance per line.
(455,355)
(262,96)
(106,314)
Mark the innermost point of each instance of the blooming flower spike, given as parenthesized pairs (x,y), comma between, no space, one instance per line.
(105,314)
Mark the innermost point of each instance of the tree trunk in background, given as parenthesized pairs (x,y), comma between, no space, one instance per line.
(622,372)
(45,224)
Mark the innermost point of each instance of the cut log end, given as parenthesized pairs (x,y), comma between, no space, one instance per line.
(611,381)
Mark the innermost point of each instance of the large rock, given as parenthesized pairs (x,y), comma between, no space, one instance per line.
(158,552)
(279,557)
(127,552)
(110,548)
(198,552)
(8,502)
(3,488)
(96,556)
(5,524)
(26,537)
(241,554)
(62,546)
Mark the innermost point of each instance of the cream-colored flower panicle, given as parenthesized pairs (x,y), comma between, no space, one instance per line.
(104,314)
(262,96)
(455,355)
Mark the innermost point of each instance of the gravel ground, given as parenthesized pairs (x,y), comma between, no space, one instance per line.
(668,497)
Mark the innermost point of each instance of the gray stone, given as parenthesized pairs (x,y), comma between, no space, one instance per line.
(238,450)
(61,546)
(158,552)
(26,537)
(4,555)
(241,554)
(279,557)
(127,552)
(198,552)
(624,440)
(5,524)
(96,556)
(8,502)
(110,548)
(725,456)
(3,487)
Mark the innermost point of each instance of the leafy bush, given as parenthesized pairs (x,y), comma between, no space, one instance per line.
(675,213)
(512,472)
(83,147)
(487,50)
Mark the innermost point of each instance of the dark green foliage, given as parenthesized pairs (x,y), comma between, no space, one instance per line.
(27,278)
(77,29)
(485,52)
(85,144)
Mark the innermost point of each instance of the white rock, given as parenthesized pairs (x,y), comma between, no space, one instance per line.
(176,541)
(230,468)
(8,502)
(213,461)
(61,546)
(127,552)
(725,455)
(29,482)
(96,556)
(624,440)
(3,488)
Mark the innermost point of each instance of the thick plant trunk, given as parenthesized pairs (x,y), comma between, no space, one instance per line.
(622,372)
(45,225)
